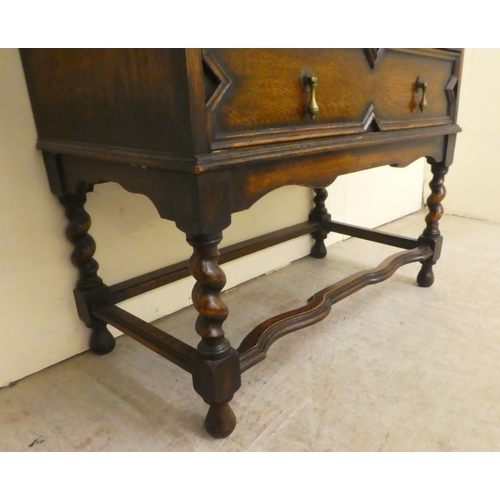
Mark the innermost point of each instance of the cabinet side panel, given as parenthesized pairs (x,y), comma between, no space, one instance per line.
(132,98)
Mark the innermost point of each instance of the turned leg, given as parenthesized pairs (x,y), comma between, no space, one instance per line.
(216,367)
(89,287)
(319,214)
(431,234)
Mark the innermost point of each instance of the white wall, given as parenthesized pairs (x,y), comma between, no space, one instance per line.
(39,323)
(473,182)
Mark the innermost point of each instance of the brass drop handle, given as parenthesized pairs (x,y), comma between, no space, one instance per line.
(309,82)
(420,85)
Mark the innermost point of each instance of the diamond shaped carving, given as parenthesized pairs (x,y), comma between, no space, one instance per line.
(216,81)
(370,122)
(373,56)
(451,94)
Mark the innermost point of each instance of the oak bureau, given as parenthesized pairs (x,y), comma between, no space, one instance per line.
(207,132)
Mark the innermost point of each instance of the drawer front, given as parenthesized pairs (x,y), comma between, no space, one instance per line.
(254,96)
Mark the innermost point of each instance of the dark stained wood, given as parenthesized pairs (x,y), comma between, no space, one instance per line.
(254,180)
(191,212)
(373,55)
(216,371)
(204,133)
(425,277)
(431,233)
(258,243)
(372,235)
(250,173)
(89,287)
(319,213)
(220,421)
(155,339)
(149,281)
(129,98)
(438,192)
(254,346)
(257,154)
(265,103)
(169,274)
(197,109)
(138,158)
(77,233)
(210,280)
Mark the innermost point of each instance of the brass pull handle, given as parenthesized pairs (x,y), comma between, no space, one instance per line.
(420,85)
(309,82)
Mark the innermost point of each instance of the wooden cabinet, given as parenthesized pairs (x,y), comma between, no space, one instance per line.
(259,98)
(205,133)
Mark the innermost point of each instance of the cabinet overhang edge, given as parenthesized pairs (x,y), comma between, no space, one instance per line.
(276,135)
(226,158)
(134,157)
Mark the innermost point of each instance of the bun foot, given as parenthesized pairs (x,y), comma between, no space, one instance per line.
(425,277)
(101,341)
(318,250)
(220,420)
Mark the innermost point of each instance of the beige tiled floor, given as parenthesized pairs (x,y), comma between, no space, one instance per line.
(394,367)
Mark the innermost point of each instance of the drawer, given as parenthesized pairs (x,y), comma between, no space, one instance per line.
(254,96)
